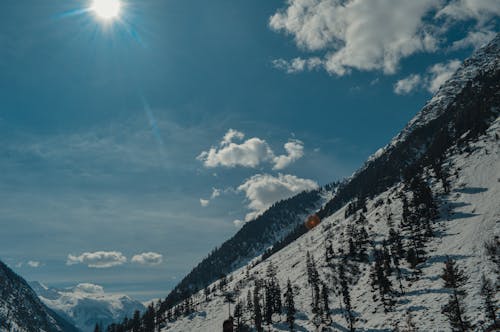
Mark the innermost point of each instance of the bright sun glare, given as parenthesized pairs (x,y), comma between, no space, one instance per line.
(106,9)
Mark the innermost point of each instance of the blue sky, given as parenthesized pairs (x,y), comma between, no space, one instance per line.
(158,134)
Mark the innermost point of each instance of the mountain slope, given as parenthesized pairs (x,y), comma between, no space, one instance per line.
(86,304)
(470,213)
(452,145)
(21,310)
(250,241)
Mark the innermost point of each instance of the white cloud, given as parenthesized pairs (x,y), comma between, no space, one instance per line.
(360,34)
(440,73)
(238,222)
(215,193)
(298,64)
(480,10)
(250,153)
(148,258)
(372,34)
(474,39)
(89,288)
(295,151)
(204,202)
(232,135)
(262,190)
(98,259)
(434,77)
(408,84)
(33,264)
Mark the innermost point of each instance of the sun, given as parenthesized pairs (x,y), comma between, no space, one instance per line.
(106,9)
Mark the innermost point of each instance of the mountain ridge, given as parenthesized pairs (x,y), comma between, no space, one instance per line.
(21,310)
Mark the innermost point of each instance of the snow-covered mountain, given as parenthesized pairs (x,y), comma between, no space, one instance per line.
(430,199)
(87,304)
(470,214)
(22,311)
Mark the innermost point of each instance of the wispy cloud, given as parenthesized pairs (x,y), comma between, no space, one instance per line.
(33,264)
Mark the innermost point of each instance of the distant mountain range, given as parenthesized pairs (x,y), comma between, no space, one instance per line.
(87,304)
(22,311)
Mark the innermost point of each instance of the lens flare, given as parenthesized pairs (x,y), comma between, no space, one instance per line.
(106,9)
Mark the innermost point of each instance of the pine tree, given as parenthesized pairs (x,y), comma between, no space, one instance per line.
(257,310)
(313,279)
(325,305)
(490,306)
(380,280)
(136,321)
(238,316)
(290,306)
(346,296)
(249,307)
(206,292)
(268,305)
(149,319)
(455,279)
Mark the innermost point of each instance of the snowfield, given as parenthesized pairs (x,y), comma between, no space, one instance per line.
(469,216)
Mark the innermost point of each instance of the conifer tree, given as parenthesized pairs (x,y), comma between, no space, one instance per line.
(249,307)
(238,316)
(149,319)
(136,321)
(490,306)
(325,304)
(257,310)
(455,279)
(289,306)
(346,297)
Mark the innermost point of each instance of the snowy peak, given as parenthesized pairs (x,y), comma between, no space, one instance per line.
(462,110)
(87,304)
(22,311)
(484,62)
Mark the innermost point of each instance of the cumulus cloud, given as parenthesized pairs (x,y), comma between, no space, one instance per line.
(33,264)
(249,153)
(295,151)
(432,80)
(98,259)
(371,34)
(407,85)
(148,258)
(89,288)
(262,190)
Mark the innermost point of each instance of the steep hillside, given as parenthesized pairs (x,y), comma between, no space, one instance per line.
(470,213)
(22,311)
(86,304)
(250,241)
(376,261)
